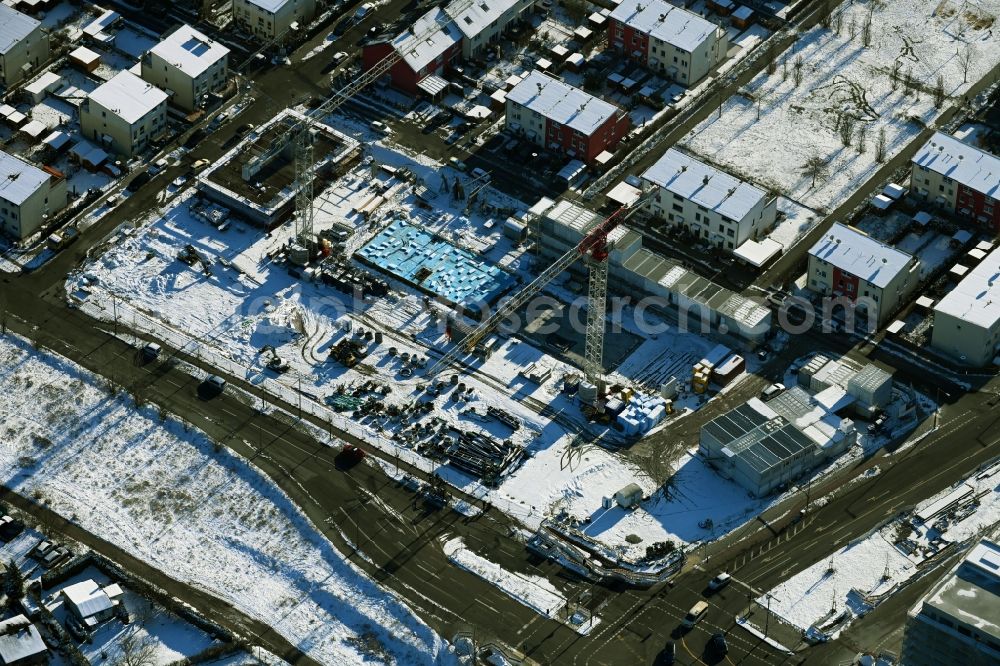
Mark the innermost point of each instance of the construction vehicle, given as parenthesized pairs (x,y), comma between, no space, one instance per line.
(595,248)
(274,362)
(190,256)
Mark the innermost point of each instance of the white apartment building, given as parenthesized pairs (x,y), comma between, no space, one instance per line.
(23,46)
(187,65)
(667,39)
(124,114)
(483,21)
(271,19)
(967,319)
(956,622)
(28,196)
(850,264)
(709,203)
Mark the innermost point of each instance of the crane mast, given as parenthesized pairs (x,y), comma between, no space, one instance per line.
(595,247)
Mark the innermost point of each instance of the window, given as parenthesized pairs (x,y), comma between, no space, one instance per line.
(678,208)
(678,197)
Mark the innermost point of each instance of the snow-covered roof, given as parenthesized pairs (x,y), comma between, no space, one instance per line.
(18,179)
(705,185)
(757,254)
(971,593)
(88,598)
(478,15)
(14,26)
(976,299)
(83,54)
(128,96)
(19,640)
(974,168)
(269,5)
(420,53)
(190,51)
(562,103)
(860,255)
(658,18)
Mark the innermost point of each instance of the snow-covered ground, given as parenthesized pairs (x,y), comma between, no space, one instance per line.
(834,591)
(160,490)
(165,636)
(842,78)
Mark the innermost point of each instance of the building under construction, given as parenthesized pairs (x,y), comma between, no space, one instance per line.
(256,178)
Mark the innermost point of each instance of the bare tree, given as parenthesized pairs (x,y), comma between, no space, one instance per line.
(939,92)
(784,69)
(866,33)
(894,77)
(965,57)
(814,168)
(862,137)
(838,22)
(576,9)
(136,648)
(827,13)
(852,28)
(797,73)
(880,146)
(846,123)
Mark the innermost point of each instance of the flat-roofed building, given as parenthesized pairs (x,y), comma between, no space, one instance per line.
(272,19)
(667,39)
(958,177)
(24,46)
(967,319)
(711,204)
(558,116)
(958,620)
(877,278)
(29,196)
(188,65)
(124,114)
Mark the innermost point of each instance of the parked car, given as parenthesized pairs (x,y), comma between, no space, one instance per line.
(212,386)
(457,164)
(42,548)
(56,557)
(771,392)
(719,581)
(179,182)
(480,173)
(717,646)
(363,11)
(379,126)
(10,528)
(339,57)
(200,164)
(138,181)
(669,654)
(150,352)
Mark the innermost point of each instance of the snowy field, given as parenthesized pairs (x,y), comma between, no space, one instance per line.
(159,490)
(834,591)
(840,79)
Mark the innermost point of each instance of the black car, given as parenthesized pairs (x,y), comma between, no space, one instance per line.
(669,654)
(196,137)
(137,182)
(717,645)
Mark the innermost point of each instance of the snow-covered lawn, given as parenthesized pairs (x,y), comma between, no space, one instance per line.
(161,491)
(841,78)
(834,591)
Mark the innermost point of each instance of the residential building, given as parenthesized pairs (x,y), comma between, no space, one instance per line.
(959,178)
(967,319)
(272,19)
(433,54)
(483,22)
(672,291)
(957,623)
(29,196)
(667,39)
(765,446)
(124,114)
(21,643)
(24,46)
(875,277)
(188,66)
(557,116)
(91,603)
(711,204)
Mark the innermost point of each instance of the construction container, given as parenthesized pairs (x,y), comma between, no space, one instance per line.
(728,370)
(668,390)
(615,406)
(697,369)
(587,393)
(871,386)
(571,383)
(807,371)
(715,356)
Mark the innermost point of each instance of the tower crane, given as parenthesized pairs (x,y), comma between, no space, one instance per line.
(595,249)
(301,135)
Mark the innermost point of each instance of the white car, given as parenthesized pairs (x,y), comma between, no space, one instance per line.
(363,11)
(720,581)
